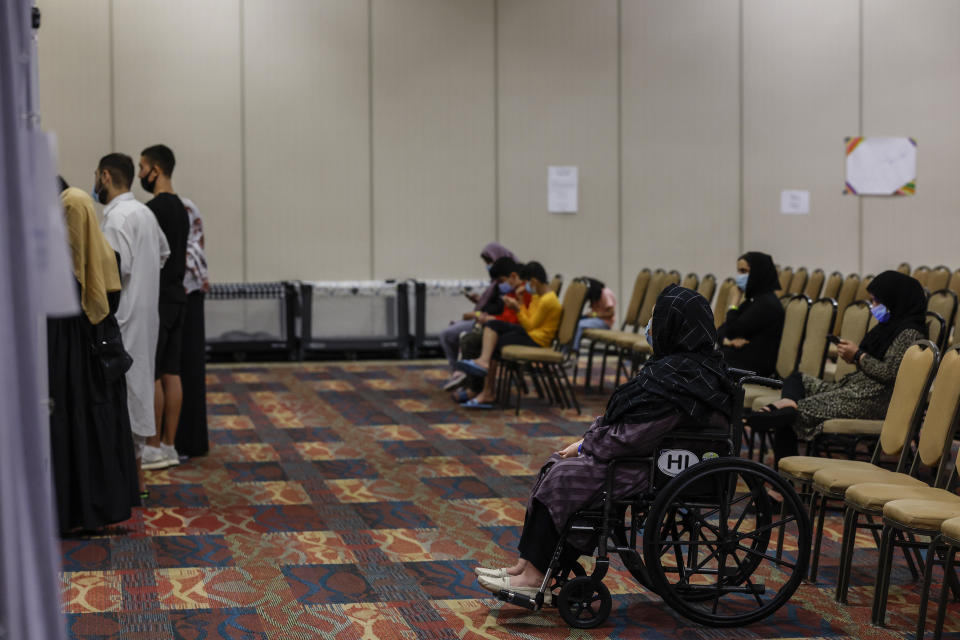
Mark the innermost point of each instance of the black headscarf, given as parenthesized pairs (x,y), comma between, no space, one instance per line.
(686,374)
(763,274)
(906,301)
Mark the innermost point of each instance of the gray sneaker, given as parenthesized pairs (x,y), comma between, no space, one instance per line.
(171,453)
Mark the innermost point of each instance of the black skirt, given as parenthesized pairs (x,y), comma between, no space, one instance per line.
(94,469)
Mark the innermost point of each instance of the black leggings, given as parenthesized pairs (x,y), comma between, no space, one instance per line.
(510,334)
(539,539)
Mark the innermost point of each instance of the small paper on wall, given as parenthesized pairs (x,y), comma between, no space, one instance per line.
(794,201)
(881,166)
(562,189)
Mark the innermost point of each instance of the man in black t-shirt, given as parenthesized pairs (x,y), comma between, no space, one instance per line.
(156,167)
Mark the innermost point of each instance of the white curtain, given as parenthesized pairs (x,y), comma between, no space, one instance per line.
(34,277)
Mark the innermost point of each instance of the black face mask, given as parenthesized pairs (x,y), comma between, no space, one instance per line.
(99,193)
(147,184)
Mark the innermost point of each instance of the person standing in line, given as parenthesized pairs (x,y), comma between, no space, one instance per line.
(191,438)
(156,168)
(94,465)
(133,232)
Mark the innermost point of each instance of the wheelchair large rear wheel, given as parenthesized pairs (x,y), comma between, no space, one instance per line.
(718,547)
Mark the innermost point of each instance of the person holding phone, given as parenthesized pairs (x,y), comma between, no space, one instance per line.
(483,303)
(898,302)
(750,335)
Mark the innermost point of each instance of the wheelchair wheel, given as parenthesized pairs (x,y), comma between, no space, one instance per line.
(583,603)
(718,548)
(562,577)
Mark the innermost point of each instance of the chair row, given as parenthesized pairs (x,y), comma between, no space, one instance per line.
(916,498)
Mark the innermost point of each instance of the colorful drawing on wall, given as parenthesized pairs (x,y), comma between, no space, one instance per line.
(881,166)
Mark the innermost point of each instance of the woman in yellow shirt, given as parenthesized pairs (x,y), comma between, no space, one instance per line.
(538,326)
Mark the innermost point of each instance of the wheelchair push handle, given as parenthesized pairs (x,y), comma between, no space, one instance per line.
(743,376)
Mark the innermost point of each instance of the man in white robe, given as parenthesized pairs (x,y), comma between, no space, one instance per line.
(133,232)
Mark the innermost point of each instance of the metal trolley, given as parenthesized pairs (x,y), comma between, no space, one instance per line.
(708,536)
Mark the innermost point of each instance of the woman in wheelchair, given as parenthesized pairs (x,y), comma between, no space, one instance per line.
(898,302)
(684,383)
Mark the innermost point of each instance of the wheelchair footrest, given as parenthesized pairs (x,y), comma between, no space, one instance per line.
(519,599)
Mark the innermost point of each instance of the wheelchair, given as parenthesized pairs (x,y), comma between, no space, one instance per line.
(706,536)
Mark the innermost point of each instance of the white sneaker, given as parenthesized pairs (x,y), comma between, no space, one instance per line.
(454,381)
(171,452)
(154,458)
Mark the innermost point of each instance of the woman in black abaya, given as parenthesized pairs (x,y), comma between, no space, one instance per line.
(95,473)
(750,336)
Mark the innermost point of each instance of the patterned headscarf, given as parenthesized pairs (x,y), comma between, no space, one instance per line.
(686,374)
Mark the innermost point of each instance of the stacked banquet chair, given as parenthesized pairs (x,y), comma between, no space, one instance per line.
(853,326)
(815,285)
(904,268)
(897,429)
(938,278)
(954,283)
(862,293)
(707,287)
(832,286)
(868,497)
(920,274)
(544,364)
(606,338)
(941,312)
(785,275)
(727,296)
(798,282)
(811,360)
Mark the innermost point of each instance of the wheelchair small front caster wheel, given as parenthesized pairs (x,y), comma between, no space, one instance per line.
(583,603)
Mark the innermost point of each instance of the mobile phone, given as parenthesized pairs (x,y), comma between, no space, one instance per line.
(832,338)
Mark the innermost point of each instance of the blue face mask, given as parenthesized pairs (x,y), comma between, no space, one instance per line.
(880,312)
(648,333)
(489,266)
(505,287)
(741,280)
(529,289)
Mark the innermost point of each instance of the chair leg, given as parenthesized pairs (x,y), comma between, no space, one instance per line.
(942,606)
(603,368)
(925,592)
(815,560)
(555,370)
(909,554)
(589,372)
(882,584)
(850,520)
(570,389)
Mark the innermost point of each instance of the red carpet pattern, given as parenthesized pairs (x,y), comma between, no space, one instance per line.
(352,501)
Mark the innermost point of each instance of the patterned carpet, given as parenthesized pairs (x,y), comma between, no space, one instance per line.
(353,501)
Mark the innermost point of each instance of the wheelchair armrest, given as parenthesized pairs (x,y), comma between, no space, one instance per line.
(762,381)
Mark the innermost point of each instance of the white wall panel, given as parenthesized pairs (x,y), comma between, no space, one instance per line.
(911,87)
(557,62)
(177,82)
(433,136)
(800,99)
(307,118)
(681,142)
(74,61)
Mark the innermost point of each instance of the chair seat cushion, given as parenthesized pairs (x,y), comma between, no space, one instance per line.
(836,480)
(597,335)
(608,335)
(531,354)
(753,391)
(927,514)
(853,426)
(803,467)
(872,496)
(632,341)
(950,529)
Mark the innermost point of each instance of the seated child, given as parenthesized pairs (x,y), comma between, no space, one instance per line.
(539,321)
